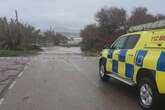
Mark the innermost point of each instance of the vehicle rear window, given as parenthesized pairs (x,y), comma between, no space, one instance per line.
(132,41)
(120,43)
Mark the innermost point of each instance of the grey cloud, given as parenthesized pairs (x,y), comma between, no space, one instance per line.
(68,13)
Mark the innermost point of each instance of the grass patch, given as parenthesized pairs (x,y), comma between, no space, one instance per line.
(15,53)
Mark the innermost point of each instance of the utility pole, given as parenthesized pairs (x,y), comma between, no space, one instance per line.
(16,15)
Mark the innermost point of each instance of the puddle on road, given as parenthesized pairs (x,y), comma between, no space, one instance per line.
(62,50)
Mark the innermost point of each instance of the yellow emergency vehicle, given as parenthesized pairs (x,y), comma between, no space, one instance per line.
(138,59)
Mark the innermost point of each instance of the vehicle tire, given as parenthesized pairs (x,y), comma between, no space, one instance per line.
(102,72)
(148,95)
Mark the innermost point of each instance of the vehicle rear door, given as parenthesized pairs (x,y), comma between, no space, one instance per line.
(122,56)
(127,57)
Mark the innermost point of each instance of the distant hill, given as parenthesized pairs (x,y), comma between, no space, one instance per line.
(71,34)
(66,30)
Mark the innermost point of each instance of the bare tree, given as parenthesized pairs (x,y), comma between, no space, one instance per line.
(55,38)
(140,15)
(111,20)
(111,23)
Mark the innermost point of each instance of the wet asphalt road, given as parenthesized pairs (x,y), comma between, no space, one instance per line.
(62,79)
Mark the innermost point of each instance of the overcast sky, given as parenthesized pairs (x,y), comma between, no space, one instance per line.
(68,13)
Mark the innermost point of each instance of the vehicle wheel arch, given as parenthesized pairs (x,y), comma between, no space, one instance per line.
(147,76)
(145,73)
(103,61)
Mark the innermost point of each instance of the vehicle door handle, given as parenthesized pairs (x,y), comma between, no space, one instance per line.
(130,55)
(117,54)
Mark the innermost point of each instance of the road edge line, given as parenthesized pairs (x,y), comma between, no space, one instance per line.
(12,85)
(1,101)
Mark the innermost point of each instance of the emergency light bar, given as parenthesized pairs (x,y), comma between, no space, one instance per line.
(153,25)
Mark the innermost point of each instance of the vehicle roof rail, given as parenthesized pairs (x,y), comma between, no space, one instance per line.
(148,26)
